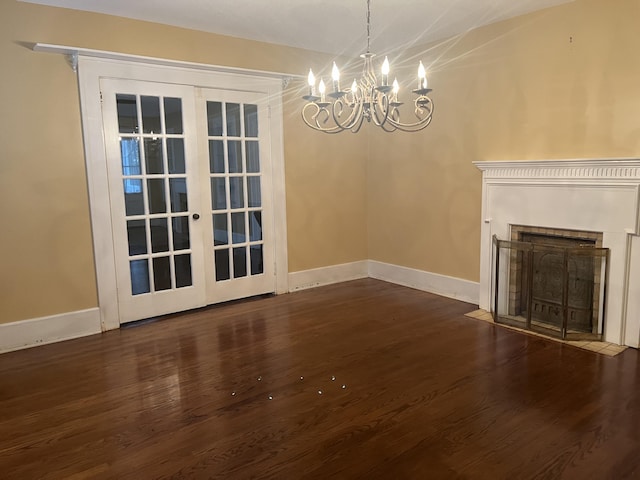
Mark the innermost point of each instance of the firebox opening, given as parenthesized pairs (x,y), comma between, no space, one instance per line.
(551,281)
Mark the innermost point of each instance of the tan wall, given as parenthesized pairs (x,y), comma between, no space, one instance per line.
(47,260)
(560,83)
(520,89)
(326,194)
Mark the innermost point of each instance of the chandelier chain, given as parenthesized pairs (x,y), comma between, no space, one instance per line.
(368,26)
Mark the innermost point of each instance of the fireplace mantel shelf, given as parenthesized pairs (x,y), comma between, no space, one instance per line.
(614,169)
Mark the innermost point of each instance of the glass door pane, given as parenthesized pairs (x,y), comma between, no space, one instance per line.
(236,194)
(155,192)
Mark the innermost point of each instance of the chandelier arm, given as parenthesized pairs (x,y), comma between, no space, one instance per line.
(358,126)
(359,115)
(314,122)
(352,118)
(423,104)
(413,127)
(312,116)
(380,103)
(389,126)
(316,117)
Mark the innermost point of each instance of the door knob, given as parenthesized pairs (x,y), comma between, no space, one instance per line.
(196,216)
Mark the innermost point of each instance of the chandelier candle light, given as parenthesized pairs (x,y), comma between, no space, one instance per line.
(366,99)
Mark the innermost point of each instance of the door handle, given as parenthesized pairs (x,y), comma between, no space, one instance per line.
(196,216)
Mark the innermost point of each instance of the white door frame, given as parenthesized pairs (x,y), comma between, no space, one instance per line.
(90,70)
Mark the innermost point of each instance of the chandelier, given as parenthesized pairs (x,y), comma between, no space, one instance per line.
(366,99)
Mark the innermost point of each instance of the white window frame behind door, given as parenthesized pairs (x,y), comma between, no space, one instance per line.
(90,70)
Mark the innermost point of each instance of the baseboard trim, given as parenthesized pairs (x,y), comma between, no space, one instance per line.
(317,277)
(66,326)
(451,287)
(44,330)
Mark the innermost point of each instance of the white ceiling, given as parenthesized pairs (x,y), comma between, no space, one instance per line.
(332,26)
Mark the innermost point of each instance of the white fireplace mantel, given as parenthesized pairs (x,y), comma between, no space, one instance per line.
(600,195)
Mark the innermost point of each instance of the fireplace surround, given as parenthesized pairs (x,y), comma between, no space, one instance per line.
(595,195)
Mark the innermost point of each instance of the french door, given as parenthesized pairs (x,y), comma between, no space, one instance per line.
(189,195)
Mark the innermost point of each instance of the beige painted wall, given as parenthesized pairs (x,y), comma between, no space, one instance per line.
(47,260)
(560,83)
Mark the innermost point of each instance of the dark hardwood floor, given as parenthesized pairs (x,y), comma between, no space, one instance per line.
(233,392)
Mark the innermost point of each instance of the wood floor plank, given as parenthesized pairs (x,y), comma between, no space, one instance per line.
(358,380)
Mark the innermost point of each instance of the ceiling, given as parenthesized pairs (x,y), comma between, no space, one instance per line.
(332,26)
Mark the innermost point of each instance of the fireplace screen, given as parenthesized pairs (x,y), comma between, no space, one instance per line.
(553,286)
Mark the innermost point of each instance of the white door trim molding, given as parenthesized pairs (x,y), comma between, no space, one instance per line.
(73,53)
(90,71)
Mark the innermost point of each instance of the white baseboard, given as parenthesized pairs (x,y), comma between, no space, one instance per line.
(66,326)
(457,288)
(327,275)
(451,287)
(55,328)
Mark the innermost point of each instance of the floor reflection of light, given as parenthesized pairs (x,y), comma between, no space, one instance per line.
(162,391)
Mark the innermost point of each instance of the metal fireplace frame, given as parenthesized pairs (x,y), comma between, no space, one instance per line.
(528,323)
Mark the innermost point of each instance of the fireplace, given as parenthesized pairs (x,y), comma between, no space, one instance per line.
(596,196)
(551,281)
